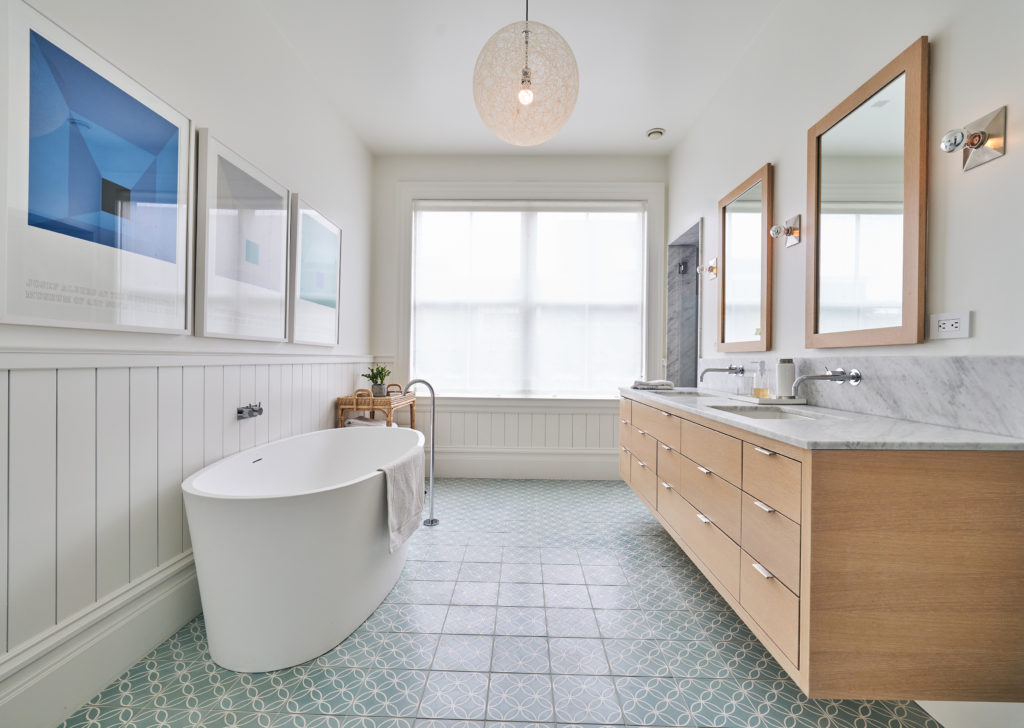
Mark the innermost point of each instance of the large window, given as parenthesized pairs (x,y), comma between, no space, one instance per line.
(528,298)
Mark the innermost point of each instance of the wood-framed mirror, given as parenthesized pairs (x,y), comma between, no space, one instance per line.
(745,265)
(866,211)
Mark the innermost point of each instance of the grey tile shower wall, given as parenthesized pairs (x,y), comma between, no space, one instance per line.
(969,392)
(681,350)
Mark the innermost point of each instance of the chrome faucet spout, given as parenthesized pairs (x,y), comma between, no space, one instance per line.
(839,376)
(734,369)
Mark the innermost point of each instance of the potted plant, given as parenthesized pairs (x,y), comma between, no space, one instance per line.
(377,375)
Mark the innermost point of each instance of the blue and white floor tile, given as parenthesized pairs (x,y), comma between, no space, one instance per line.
(535,604)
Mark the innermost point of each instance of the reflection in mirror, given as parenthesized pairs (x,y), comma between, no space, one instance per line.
(860,248)
(745,284)
(743,230)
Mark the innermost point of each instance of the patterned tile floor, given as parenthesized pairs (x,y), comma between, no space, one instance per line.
(533,604)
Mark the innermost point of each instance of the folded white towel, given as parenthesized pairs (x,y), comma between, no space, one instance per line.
(405,497)
(654,384)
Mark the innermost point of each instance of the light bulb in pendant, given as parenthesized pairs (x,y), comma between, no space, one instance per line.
(525,88)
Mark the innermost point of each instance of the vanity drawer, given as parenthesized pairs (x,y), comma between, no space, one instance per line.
(773,539)
(664,426)
(772,606)
(669,464)
(643,445)
(643,480)
(716,498)
(624,463)
(624,409)
(716,550)
(721,454)
(773,479)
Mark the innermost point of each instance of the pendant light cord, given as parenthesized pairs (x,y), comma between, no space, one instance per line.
(526,37)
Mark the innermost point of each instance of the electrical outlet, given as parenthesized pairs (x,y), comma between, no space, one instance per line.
(950,325)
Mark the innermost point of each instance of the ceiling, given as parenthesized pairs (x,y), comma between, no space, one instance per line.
(401,71)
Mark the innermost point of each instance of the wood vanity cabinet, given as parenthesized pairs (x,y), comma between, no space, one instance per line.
(866,573)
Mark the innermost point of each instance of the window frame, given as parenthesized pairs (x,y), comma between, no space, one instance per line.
(651,195)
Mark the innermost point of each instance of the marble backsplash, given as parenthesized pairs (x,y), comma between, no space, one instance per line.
(969,392)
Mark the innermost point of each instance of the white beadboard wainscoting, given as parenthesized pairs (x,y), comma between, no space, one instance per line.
(95,557)
(564,439)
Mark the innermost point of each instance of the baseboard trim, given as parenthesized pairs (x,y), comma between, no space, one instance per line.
(528,463)
(44,680)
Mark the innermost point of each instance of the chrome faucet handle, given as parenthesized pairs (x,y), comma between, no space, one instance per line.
(855,377)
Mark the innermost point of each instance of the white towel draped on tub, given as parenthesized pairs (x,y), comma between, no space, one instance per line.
(405,496)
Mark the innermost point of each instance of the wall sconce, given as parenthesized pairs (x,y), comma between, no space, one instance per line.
(982,140)
(710,270)
(791,231)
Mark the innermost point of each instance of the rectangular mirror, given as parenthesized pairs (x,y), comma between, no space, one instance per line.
(866,202)
(745,268)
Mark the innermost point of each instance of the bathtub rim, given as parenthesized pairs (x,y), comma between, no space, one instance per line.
(188,487)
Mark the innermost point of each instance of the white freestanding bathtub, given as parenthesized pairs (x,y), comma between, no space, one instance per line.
(291,543)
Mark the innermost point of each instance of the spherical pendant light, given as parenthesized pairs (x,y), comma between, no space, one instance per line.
(525,83)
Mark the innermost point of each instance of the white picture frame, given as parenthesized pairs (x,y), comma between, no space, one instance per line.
(241,247)
(315,276)
(99,183)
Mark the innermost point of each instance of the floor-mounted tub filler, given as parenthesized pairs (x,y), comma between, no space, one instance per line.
(291,543)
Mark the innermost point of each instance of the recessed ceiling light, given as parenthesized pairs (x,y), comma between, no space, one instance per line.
(655,133)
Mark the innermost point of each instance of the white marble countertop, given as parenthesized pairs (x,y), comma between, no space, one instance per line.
(824,429)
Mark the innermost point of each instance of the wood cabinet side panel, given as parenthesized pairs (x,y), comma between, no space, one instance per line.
(915,563)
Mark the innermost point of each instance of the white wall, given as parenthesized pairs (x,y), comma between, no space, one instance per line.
(225,66)
(807,59)
(97,429)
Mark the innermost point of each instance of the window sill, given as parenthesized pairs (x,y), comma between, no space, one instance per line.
(507,402)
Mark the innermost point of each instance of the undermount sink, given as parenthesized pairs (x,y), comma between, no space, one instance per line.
(760,412)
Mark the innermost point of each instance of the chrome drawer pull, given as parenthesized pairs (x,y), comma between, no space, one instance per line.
(763,451)
(625,422)
(763,571)
(666,485)
(641,432)
(667,414)
(624,448)
(702,518)
(665,447)
(764,507)
(703,470)
(642,465)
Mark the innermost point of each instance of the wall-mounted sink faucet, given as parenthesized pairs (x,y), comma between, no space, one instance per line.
(249,410)
(736,369)
(838,376)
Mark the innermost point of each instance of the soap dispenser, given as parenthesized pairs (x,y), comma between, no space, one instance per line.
(760,390)
(785,374)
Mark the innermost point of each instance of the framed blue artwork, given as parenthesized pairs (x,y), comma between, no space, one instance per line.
(99,183)
(241,247)
(315,261)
